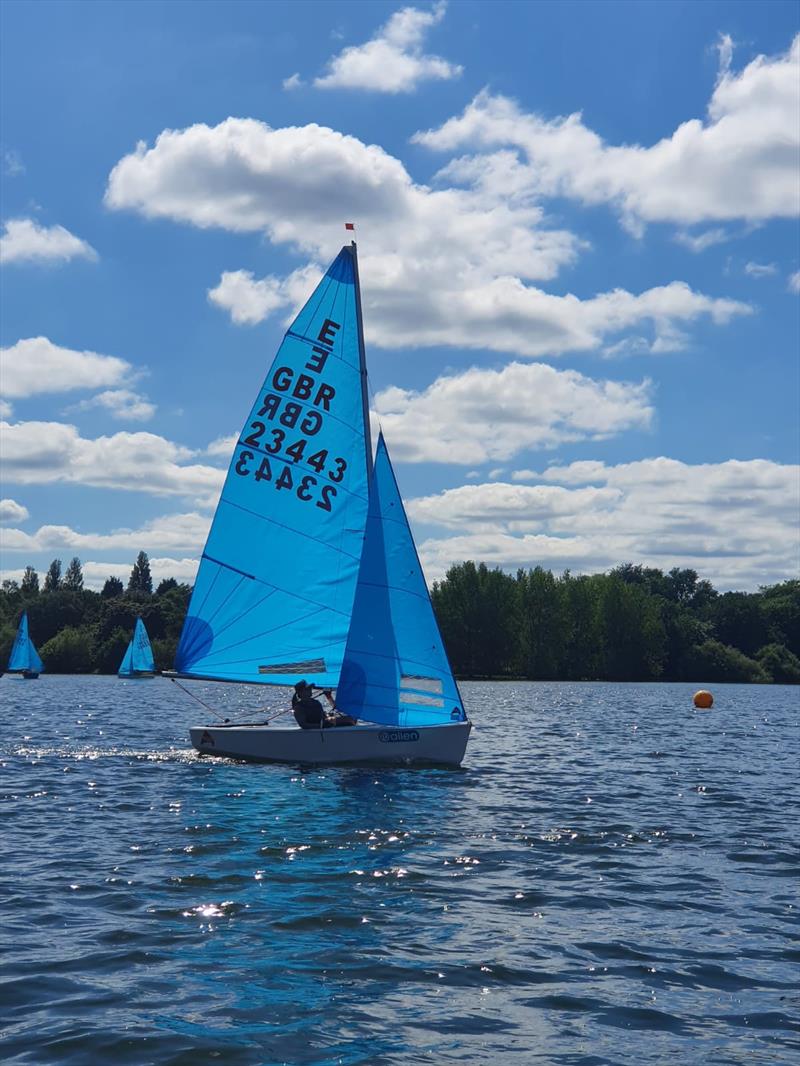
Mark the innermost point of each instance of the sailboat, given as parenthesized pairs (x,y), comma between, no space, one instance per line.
(310,570)
(24,658)
(138,661)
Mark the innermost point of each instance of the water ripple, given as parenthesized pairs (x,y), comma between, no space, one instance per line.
(610,879)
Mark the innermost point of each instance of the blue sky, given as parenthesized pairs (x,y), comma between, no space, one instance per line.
(578,232)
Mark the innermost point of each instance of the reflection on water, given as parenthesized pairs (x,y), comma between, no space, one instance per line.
(610,878)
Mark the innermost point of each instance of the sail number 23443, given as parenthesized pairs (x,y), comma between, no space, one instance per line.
(305,486)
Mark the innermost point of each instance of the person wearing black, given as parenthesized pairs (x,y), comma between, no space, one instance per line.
(309,713)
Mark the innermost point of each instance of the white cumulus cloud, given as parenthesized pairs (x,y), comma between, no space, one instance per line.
(794,282)
(740,162)
(699,242)
(248,299)
(439,267)
(760,270)
(734,522)
(121,404)
(11,511)
(393,60)
(40,453)
(35,366)
(12,163)
(482,415)
(168,533)
(24,240)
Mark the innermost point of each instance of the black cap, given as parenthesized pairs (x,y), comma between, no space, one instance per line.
(301,685)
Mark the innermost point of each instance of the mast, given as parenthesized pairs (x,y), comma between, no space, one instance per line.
(362,357)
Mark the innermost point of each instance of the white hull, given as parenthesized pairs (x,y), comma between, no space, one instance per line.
(442,744)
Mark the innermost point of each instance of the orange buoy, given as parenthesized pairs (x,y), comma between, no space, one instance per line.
(703,699)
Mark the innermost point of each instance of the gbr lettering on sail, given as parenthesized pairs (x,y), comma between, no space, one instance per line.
(283,440)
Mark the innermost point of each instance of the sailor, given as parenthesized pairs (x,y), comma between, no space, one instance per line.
(309,713)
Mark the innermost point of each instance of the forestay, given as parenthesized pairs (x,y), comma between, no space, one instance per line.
(24,656)
(138,659)
(274,591)
(395,667)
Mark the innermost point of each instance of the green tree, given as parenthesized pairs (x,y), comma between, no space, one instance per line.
(166,585)
(141,580)
(635,641)
(781,665)
(107,654)
(584,654)
(30,582)
(8,633)
(476,611)
(781,606)
(714,661)
(69,651)
(73,578)
(52,579)
(740,621)
(545,623)
(54,611)
(113,587)
(684,633)
(649,578)
(164,652)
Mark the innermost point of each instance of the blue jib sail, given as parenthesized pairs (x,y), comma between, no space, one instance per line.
(138,659)
(24,656)
(395,667)
(274,591)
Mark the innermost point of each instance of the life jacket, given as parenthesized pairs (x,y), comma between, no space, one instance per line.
(308,712)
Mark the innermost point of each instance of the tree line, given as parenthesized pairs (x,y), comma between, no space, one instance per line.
(78,631)
(633,624)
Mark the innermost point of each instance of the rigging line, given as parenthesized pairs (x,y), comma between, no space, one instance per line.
(203,703)
(278,715)
(343,530)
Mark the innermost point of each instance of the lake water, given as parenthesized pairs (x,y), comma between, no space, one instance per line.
(610,878)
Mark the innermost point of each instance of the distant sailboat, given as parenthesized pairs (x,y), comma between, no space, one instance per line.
(24,658)
(138,659)
(310,570)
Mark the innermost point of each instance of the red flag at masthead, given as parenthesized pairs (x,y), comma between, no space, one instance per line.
(349,225)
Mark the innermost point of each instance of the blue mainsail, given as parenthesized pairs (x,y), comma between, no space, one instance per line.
(24,657)
(274,591)
(138,659)
(395,668)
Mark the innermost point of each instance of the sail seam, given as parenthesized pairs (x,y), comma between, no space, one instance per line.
(242,614)
(290,529)
(394,588)
(263,633)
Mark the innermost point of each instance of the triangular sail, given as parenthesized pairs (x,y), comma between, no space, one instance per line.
(138,659)
(395,668)
(274,592)
(24,657)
